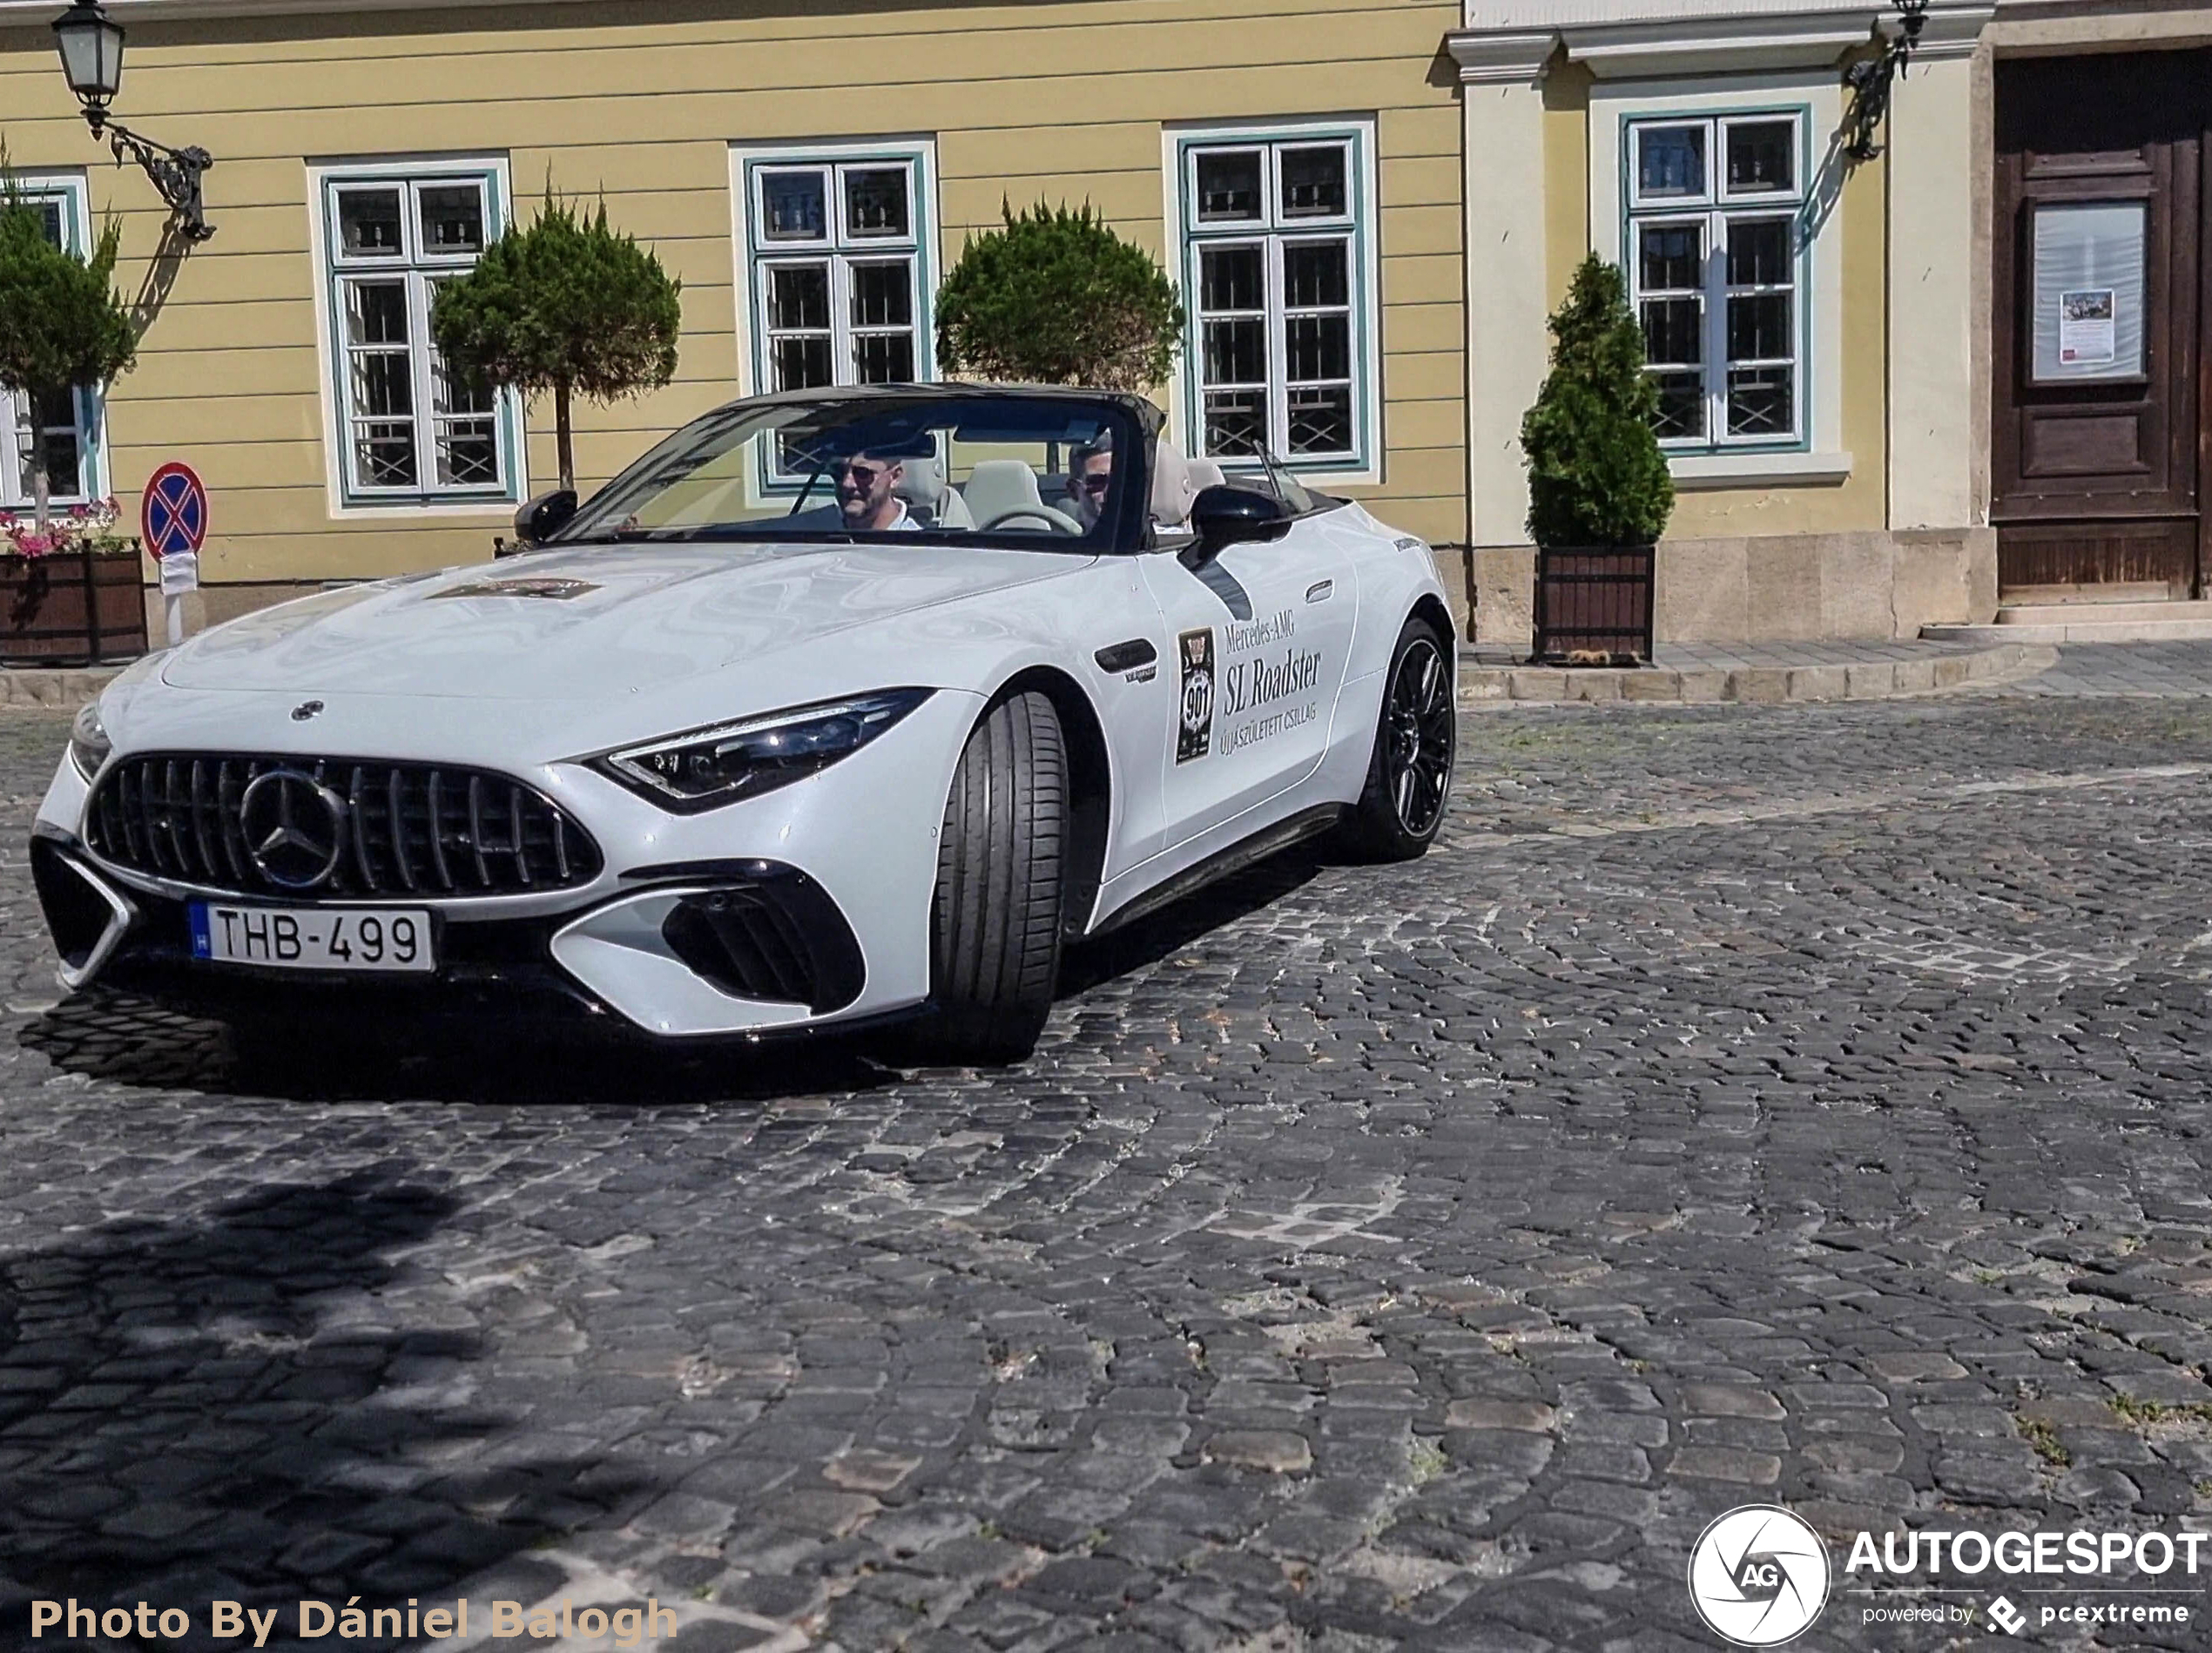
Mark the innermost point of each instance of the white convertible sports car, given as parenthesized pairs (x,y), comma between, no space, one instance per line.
(837,707)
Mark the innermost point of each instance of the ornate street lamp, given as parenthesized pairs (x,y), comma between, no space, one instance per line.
(91,49)
(1871,79)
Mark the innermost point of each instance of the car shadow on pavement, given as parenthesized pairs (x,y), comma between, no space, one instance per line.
(1159,935)
(129,1040)
(259,1403)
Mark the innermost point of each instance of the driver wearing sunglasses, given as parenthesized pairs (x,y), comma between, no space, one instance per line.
(866,497)
(1090,474)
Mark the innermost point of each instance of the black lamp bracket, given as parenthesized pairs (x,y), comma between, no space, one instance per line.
(1872,80)
(175,172)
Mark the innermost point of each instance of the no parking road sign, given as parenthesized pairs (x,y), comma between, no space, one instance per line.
(174,517)
(173,514)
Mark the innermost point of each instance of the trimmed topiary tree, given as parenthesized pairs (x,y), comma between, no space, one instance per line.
(565,306)
(1597,474)
(1057,298)
(62,324)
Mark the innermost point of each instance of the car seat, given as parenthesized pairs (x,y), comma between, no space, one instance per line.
(998,487)
(1174,485)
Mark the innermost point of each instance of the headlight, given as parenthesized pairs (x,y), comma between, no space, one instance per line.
(88,742)
(704,768)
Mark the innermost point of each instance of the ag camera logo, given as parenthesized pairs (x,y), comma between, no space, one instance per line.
(1758,1575)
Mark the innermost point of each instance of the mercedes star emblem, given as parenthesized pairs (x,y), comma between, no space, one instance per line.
(294,829)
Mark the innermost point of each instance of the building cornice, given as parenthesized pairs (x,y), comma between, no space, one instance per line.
(1513,41)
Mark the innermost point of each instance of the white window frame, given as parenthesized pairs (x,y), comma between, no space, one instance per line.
(1359,225)
(67,191)
(1815,453)
(838,248)
(419,268)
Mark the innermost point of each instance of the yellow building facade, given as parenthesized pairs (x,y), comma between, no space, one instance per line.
(809,172)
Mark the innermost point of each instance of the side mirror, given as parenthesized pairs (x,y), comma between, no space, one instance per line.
(1222,516)
(542,518)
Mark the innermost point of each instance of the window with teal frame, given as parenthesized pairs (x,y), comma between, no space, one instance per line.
(409,432)
(1719,260)
(68,423)
(1280,357)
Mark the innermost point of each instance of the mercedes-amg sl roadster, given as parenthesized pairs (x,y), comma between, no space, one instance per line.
(836,708)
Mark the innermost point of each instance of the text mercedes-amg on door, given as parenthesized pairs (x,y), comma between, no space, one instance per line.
(834,708)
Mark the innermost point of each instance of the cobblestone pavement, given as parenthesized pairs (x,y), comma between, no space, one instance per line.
(1803,1103)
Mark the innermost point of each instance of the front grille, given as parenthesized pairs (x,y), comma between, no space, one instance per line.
(403,830)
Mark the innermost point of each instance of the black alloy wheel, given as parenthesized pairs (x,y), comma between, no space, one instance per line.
(1419,728)
(1409,775)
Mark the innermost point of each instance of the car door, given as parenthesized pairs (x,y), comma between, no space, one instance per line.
(1260,633)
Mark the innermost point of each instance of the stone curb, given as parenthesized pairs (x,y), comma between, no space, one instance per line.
(45,689)
(1491,687)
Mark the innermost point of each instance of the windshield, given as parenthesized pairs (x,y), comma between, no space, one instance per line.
(1048,472)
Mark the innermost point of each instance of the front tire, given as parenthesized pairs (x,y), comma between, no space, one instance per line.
(994,931)
(1409,776)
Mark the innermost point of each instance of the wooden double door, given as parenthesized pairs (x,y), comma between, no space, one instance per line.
(2099,462)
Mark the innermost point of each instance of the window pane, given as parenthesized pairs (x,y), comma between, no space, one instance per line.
(1670,161)
(453,220)
(1761,157)
(1761,401)
(384,454)
(1320,347)
(65,463)
(1236,423)
(798,296)
(800,364)
(1672,255)
(383,386)
(1681,405)
(1321,421)
(875,201)
(1313,182)
(452,395)
(1674,330)
(1229,186)
(1758,252)
(368,223)
(50,215)
(376,313)
(1231,278)
(469,454)
(884,358)
(1315,274)
(1236,353)
(883,294)
(794,207)
(1759,329)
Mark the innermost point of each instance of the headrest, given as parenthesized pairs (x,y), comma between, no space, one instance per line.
(922,483)
(1172,489)
(1205,474)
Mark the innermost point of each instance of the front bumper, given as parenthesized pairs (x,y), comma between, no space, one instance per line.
(807,908)
(751,947)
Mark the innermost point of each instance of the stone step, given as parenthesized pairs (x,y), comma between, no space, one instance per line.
(2006,660)
(2054,630)
(2101,613)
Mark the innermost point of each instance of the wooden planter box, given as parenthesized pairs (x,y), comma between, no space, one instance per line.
(1594,606)
(73,608)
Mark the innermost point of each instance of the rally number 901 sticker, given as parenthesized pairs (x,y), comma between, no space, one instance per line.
(1194,737)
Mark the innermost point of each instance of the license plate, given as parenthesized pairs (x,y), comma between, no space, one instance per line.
(313,938)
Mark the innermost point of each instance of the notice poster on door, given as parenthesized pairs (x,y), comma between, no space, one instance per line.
(2088,334)
(2090,282)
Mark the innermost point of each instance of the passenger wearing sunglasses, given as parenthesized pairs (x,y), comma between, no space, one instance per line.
(864,495)
(1090,474)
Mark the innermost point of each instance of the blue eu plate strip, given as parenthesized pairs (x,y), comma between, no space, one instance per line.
(202,946)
